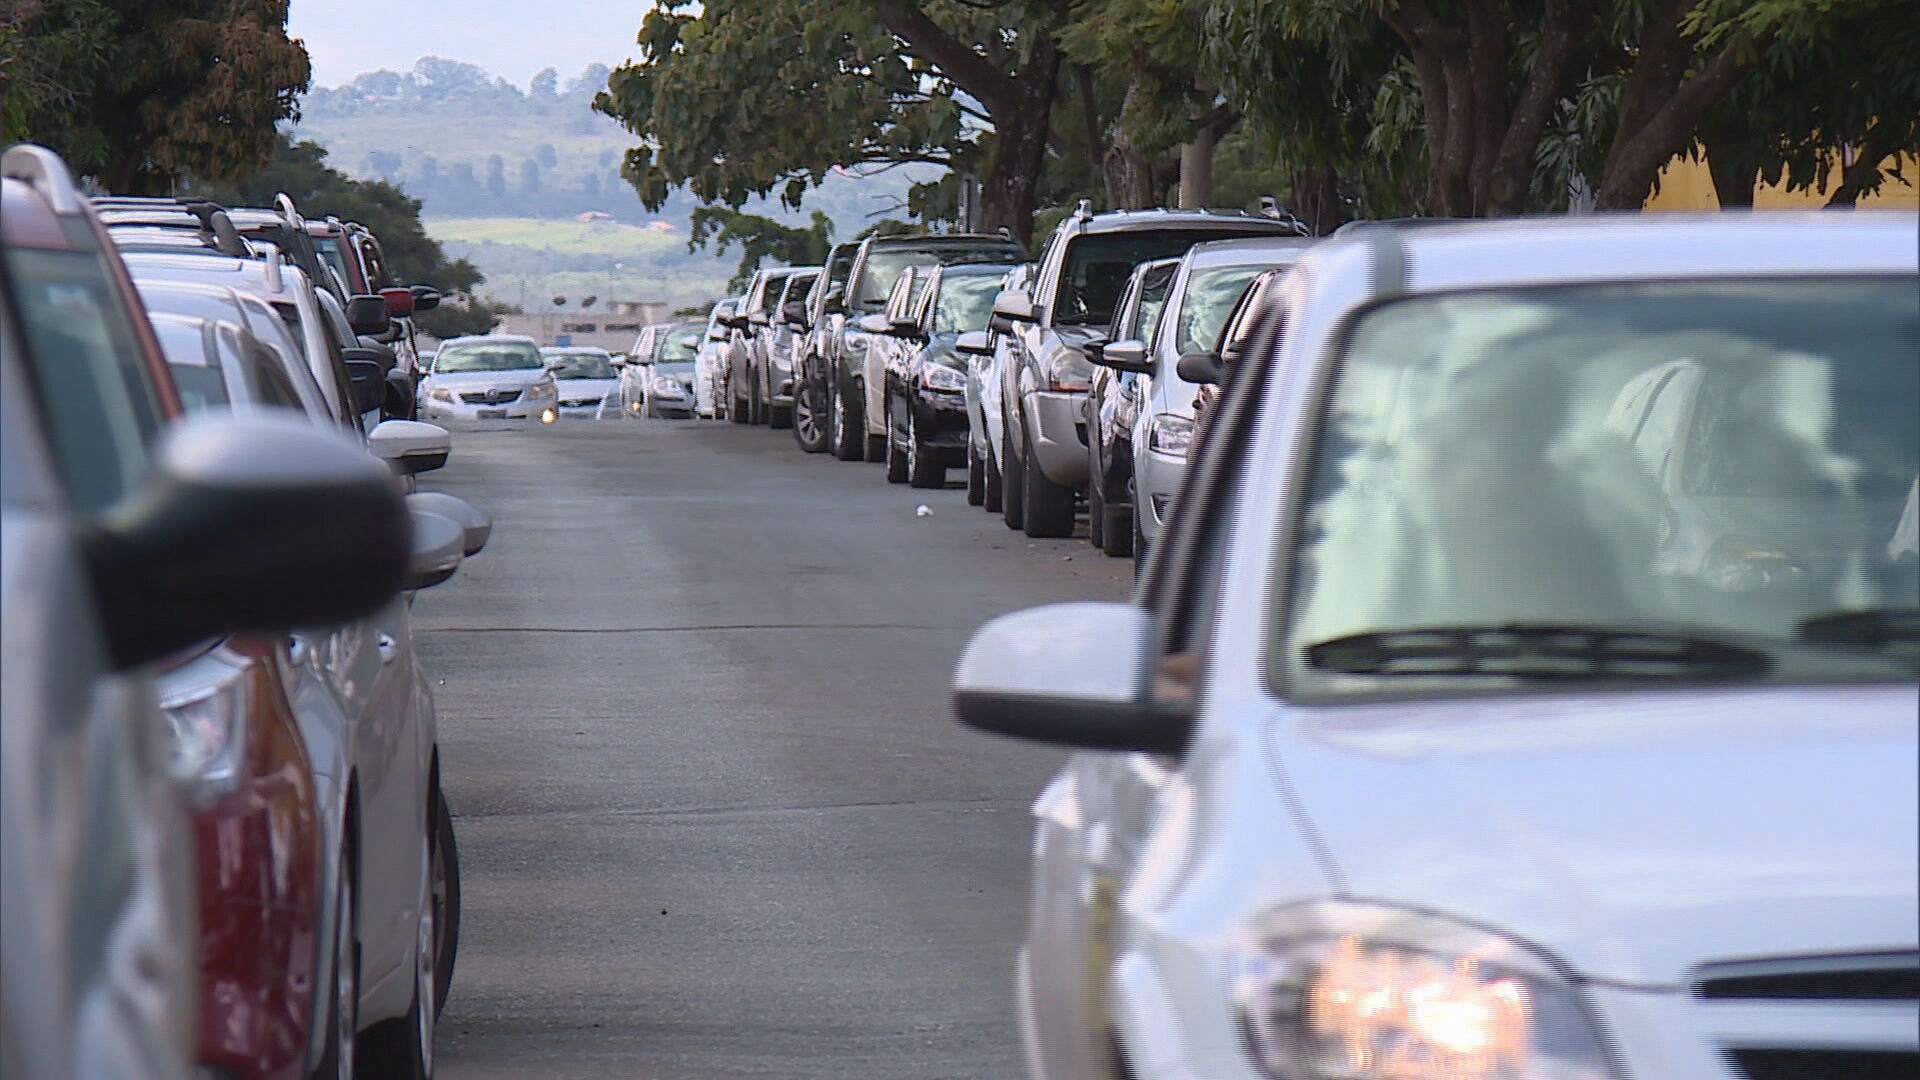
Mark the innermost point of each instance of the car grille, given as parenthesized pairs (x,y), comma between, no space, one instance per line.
(1769,1064)
(1872,977)
(491,397)
(579,403)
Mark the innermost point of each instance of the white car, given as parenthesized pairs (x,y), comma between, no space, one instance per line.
(494,376)
(1425,758)
(584,377)
(711,361)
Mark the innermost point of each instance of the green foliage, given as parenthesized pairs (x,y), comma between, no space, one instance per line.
(760,239)
(139,92)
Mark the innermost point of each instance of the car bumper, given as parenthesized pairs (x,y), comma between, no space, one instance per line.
(1056,422)
(940,419)
(1156,477)
(523,409)
(588,410)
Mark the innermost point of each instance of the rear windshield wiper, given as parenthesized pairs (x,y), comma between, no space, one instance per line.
(1875,627)
(1537,651)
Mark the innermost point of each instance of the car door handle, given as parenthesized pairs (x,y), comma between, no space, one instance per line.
(389,649)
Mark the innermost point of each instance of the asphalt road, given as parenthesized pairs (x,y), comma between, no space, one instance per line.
(715,819)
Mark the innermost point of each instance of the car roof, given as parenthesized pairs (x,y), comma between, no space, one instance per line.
(27,219)
(1162,218)
(563,349)
(1247,251)
(478,339)
(943,239)
(979,269)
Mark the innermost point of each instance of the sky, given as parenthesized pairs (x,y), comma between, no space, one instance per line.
(510,38)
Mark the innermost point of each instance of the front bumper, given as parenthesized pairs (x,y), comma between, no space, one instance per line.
(940,419)
(1056,423)
(1156,477)
(521,409)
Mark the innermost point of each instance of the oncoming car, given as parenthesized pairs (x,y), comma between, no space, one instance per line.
(496,376)
(584,377)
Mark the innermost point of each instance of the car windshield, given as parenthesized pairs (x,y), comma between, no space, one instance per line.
(486,356)
(885,264)
(1205,305)
(964,302)
(1733,457)
(680,344)
(1098,265)
(581,365)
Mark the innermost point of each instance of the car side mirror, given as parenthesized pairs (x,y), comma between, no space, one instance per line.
(409,446)
(368,315)
(438,546)
(974,343)
(473,521)
(1129,354)
(1013,306)
(245,524)
(905,326)
(1068,675)
(1203,368)
(398,403)
(367,381)
(425,297)
(619,361)
(759,318)
(875,323)
(718,333)
(400,302)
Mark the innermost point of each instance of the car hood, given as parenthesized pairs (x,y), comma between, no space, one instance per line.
(575,389)
(1635,837)
(485,380)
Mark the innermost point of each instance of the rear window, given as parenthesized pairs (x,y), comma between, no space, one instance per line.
(1098,265)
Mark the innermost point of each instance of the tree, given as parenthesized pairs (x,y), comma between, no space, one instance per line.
(746,97)
(760,239)
(496,177)
(139,92)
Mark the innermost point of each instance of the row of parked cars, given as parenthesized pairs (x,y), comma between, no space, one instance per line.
(227,849)
(1523,674)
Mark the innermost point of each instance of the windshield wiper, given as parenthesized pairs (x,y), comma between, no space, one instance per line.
(1876,627)
(1537,651)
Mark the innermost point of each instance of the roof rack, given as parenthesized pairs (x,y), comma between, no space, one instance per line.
(270,253)
(283,202)
(42,170)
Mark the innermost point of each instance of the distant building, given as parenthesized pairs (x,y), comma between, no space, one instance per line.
(590,216)
(613,329)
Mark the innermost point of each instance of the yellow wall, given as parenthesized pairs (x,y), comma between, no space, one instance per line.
(1687,185)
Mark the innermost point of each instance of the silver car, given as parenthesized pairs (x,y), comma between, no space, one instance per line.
(986,351)
(585,378)
(490,377)
(711,360)
(780,342)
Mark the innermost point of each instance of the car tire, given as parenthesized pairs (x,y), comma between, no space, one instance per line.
(443,885)
(1096,497)
(923,469)
(809,419)
(1047,507)
(895,456)
(991,504)
(1139,538)
(739,410)
(876,450)
(849,426)
(976,475)
(403,1049)
(1013,489)
(1117,529)
(342,1016)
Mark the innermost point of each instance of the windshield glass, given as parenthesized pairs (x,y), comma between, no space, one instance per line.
(965,301)
(1098,265)
(679,344)
(885,264)
(332,255)
(486,356)
(1205,305)
(581,365)
(1733,457)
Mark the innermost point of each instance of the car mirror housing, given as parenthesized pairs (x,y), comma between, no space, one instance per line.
(399,399)
(1067,675)
(1013,306)
(1126,355)
(367,381)
(974,343)
(246,524)
(400,302)
(438,546)
(473,521)
(875,323)
(425,297)
(718,333)
(368,315)
(1203,368)
(905,326)
(409,446)
(759,318)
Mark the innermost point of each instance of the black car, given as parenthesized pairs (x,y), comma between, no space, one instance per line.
(926,385)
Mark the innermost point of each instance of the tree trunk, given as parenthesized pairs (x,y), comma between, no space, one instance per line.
(1129,177)
(1316,199)
(1857,177)
(1733,182)
(1196,170)
(1640,150)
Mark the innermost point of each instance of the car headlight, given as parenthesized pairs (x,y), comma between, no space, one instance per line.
(209,726)
(439,394)
(1342,991)
(669,387)
(1069,370)
(856,340)
(941,377)
(543,388)
(1170,434)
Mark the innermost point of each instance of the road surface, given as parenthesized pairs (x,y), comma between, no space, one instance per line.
(715,819)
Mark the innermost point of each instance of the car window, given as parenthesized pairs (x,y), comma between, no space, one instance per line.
(270,378)
(1097,266)
(582,365)
(1154,288)
(101,406)
(486,356)
(1473,469)
(964,303)
(1209,298)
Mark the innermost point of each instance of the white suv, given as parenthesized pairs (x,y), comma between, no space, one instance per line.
(1439,758)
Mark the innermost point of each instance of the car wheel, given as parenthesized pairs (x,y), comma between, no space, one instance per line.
(991,504)
(739,409)
(849,427)
(1047,506)
(403,1049)
(923,469)
(1117,529)
(1139,538)
(1013,488)
(343,985)
(809,430)
(1096,496)
(444,888)
(896,457)
(976,475)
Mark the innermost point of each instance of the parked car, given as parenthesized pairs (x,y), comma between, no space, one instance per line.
(1432,747)
(490,376)
(825,317)
(1113,403)
(748,398)
(585,377)
(710,362)
(657,379)
(1211,278)
(926,402)
(244,309)
(858,381)
(1082,270)
(1213,369)
(984,356)
(125,545)
(780,340)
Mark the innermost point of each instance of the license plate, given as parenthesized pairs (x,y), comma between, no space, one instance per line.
(492,414)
